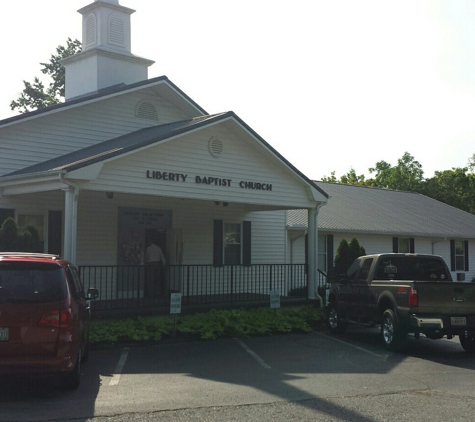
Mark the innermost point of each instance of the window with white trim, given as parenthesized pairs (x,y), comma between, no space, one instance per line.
(403,245)
(459,255)
(232,243)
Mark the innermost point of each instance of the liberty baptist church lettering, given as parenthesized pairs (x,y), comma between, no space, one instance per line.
(207,180)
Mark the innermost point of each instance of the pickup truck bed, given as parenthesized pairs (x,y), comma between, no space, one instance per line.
(404,293)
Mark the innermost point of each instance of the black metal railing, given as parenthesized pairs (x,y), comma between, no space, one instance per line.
(123,286)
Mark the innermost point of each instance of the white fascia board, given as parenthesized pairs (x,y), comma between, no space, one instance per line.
(86,173)
(39,182)
(7,181)
(318,196)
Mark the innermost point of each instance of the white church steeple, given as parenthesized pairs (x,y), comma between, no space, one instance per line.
(106,58)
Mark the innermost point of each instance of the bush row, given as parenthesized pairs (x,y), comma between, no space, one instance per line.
(209,325)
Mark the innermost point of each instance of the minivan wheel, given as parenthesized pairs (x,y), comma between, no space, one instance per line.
(335,323)
(467,340)
(394,337)
(87,347)
(71,380)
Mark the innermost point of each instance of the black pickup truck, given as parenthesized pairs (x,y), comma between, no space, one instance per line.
(404,293)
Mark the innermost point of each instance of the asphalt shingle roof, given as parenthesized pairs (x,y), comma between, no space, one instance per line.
(382,211)
(116,146)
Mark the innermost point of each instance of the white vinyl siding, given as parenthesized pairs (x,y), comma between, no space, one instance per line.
(241,161)
(98,221)
(57,134)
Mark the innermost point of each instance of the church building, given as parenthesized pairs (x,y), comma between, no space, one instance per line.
(126,161)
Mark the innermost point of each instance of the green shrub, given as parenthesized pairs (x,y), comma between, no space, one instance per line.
(209,325)
(12,240)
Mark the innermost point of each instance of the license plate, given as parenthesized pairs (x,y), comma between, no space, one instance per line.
(458,321)
(3,334)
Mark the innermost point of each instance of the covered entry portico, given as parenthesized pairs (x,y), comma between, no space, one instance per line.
(209,189)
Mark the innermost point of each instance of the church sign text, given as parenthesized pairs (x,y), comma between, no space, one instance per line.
(207,180)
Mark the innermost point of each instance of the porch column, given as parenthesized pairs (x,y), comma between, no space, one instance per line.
(312,258)
(70,223)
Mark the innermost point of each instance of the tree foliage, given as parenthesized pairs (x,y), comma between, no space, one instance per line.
(35,95)
(346,254)
(14,240)
(454,187)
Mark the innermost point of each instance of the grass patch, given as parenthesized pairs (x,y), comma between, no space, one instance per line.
(209,325)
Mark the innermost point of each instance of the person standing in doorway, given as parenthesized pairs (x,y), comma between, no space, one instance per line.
(154,261)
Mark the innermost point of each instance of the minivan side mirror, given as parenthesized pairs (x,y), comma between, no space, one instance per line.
(92,293)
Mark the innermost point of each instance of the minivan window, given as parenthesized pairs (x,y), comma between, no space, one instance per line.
(31,282)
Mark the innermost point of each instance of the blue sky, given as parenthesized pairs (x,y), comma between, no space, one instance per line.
(332,85)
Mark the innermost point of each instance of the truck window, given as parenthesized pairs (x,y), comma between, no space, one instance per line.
(353,270)
(364,272)
(412,268)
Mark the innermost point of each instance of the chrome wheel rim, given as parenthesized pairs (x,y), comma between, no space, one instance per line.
(388,330)
(333,318)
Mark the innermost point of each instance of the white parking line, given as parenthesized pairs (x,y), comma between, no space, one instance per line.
(253,354)
(119,367)
(384,357)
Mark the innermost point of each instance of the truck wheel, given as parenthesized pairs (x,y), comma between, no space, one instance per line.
(335,323)
(393,335)
(467,340)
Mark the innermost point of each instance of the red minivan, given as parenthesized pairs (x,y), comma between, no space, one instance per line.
(44,317)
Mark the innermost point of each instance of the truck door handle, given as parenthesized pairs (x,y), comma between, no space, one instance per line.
(459,299)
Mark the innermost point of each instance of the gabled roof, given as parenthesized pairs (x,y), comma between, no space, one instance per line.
(115,147)
(142,138)
(357,209)
(106,93)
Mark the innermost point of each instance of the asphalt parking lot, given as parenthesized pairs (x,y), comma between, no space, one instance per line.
(311,371)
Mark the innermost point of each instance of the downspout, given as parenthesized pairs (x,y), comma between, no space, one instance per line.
(71,218)
(312,254)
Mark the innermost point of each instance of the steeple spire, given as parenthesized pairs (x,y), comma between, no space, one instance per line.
(106,58)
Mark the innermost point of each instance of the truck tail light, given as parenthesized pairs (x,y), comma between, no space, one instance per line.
(57,318)
(413,297)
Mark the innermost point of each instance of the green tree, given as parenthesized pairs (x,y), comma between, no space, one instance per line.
(342,258)
(471,163)
(34,95)
(356,249)
(8,235)
(455,187)
(11,240)
(407,175)
(346,254)
(350,178)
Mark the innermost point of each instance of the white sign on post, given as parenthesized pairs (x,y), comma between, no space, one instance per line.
(274,298)
(175,303)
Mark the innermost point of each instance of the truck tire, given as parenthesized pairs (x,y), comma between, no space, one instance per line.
(335,323)
(394,337)
(467,340)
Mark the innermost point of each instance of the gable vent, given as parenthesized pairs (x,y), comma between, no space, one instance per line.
(90,30)
(146,110)
(215,147)
(116,31)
